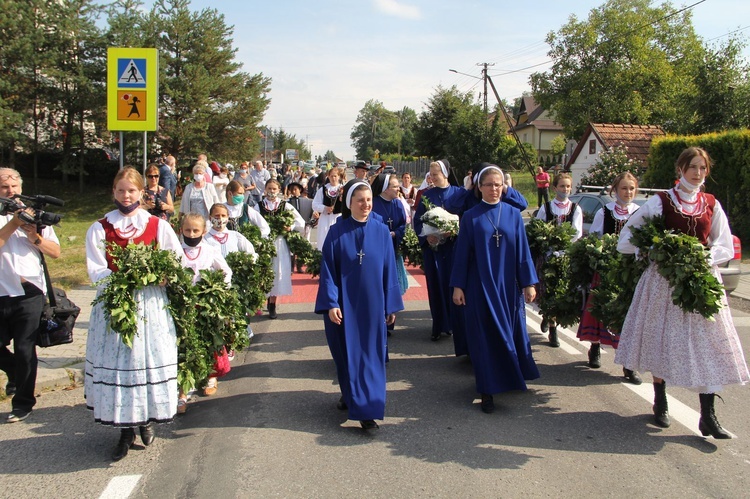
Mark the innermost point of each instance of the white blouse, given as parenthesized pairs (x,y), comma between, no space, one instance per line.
(719,238)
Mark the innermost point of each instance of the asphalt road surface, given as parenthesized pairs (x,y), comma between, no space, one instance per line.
(273,430)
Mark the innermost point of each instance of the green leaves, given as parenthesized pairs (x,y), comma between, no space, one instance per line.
(410,248)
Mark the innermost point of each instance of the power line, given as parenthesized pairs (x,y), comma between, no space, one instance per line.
(727,34)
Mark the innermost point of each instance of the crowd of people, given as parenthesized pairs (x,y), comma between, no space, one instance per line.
(478,266)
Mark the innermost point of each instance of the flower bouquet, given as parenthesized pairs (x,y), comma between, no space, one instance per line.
(439,223)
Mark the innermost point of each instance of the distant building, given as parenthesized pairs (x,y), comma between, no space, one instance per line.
(600,137)
(536,126)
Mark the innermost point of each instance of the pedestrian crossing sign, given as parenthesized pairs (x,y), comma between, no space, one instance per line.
(132,73)
(132,89)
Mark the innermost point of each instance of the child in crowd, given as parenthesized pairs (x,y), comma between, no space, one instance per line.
(559,211)
(199,255)
(240,209)
(327,202)
(609,220)
(270,206)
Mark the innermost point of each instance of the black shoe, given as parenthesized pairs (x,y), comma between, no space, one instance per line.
(544,326)
(661,409)
(488,404)
(449,333)
(272,311)
(435,336)
(341,405)
(632,376)
(127,439)
(595,356)
(147,434)
(369,424)
(10,389)
(17,415)
(708,424)
(553,341)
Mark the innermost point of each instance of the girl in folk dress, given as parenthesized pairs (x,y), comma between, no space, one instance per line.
(408,190)
(131,386)
(609,220)
(270,206)
(327,202)
(199,255)
(684,349)
(558,211)
(240,208)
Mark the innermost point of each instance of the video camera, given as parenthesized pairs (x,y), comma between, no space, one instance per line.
(36,203)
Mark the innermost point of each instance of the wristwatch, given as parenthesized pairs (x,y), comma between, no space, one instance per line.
(38,240)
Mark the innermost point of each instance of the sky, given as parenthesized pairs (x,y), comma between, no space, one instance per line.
(327,58)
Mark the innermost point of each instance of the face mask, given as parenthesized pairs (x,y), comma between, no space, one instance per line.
(691,188)
(243,171)
(562,196)
(127,210)
(218,223)
(271,195)
(192,241)
(238,199)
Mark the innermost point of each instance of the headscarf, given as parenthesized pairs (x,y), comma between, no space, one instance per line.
(349,189)
(380,183)
(445,167)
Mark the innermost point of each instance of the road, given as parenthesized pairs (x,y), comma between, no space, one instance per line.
(273,431)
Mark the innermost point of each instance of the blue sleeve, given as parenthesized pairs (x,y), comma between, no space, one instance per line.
(515,199)
(459,201)
(461,252)
(393,301)
(330,279)
(525,270)
(400,221)
(417,221)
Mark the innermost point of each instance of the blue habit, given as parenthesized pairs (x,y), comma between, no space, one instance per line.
(437,270)
(365,293)
(464,201)
(491,273)
(392,213)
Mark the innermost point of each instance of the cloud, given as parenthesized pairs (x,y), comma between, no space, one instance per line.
(398,9)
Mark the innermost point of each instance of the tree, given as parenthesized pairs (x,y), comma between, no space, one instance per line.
(558,145)
(721,78)
(610,164)
(433,132)
(206,102)
(376,129)
(628,62)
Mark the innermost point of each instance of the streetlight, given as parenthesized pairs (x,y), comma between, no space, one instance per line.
(465,74)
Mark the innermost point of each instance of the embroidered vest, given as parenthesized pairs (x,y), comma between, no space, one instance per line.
(111,236)
(611,224)
(698,225)
(550,217)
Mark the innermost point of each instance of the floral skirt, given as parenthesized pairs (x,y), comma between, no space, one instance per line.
(133,386)
(682,348)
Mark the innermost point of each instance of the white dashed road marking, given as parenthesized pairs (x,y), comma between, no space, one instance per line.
(120,487)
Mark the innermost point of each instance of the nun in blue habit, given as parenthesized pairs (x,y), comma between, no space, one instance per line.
(492,267)
(358,294)
(385,189)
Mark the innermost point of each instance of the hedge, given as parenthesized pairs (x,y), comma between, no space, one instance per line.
(730,173)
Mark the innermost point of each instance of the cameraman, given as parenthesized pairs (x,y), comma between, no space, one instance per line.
(22,289)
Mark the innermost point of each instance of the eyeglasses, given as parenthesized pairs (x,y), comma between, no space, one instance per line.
(493,186)
(152,176)
(6,176)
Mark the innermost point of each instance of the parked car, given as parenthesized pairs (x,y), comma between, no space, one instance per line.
(591,202)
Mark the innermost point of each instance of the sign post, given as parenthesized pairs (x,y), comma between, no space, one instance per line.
(133,91)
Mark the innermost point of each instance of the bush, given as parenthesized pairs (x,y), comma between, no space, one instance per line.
(609,165)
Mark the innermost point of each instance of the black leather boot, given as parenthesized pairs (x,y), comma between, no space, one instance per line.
(272,310)
(595,356)
(661,410)
(631,376)
(147,434)
(127,439)
(708,424)
(553,341)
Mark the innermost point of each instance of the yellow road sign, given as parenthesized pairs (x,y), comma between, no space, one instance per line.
(132,89)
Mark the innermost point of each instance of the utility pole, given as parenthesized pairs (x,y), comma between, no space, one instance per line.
(484,77)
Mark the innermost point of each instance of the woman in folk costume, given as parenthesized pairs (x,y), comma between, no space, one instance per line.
(327,202)
(609,220)
(680,348)
(492,265)
(270,206)
(358,295)
(558,211)
(136,386)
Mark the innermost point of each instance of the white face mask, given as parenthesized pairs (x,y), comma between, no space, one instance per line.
(218,223)
(691,188)
(271,195)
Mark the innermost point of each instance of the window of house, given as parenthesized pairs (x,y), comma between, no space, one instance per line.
(524,138)
(592,146)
